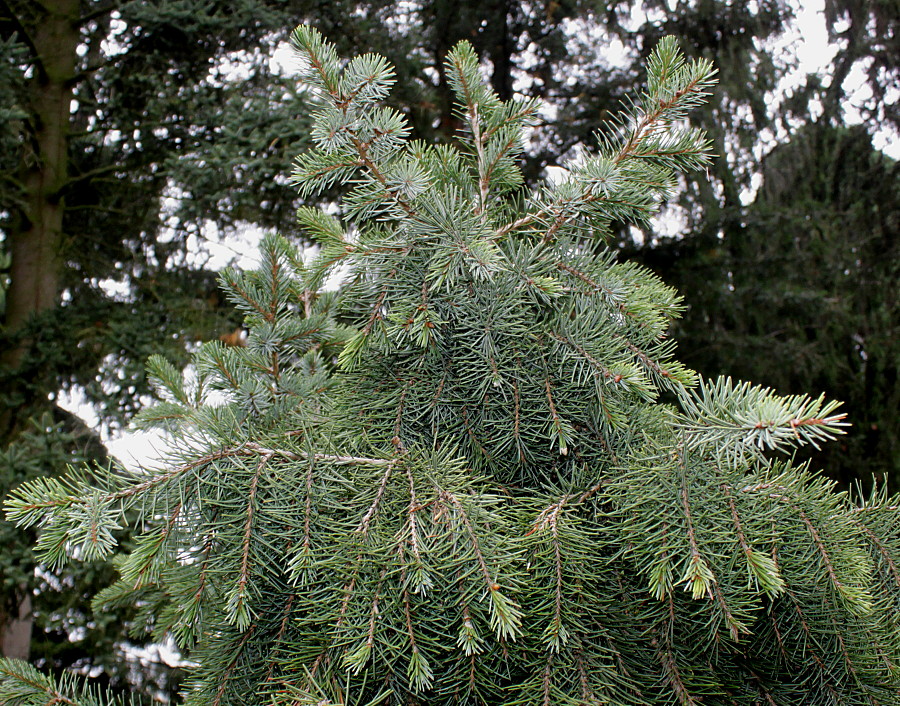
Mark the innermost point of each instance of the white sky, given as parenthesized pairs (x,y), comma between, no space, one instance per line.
(809,40)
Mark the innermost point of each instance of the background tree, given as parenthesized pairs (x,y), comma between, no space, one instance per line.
(804,280)
(489,502)
(791,286)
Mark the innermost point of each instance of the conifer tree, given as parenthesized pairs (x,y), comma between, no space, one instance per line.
(508,491)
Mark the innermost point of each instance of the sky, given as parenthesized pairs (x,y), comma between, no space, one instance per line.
(810,42)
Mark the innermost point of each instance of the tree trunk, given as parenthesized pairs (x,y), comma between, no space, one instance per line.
(35,240)
(17,629)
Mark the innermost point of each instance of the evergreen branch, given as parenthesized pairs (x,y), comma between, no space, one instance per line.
(331,458)
(471,433)
(226,674)
(760,567)
(439,389)
(587,694)
(418,670)
(735,626)
(376,310)
(363,527)
(249,298)
(462,65)
(697,573)
(20,680)
(869,508)
(660,579)
(761,688)
(204,567)
(565,210)
(521,111)
(515,225)
(642,356)
(26,504)
(395,440)
(559,630)
(557,424)
(320,56)
(307,506)
(142,488)
(393,194)
(746,416)
(274,306)
(348,589)
(549,515)
(147,553)
(358,658)
(503,151)
(412,509)
(620,305)
(637,146)
(473,538)
(310,173)
(506,617)
(373,76)
(855,597)
(115,168)
(890,667)
(546,680)
(460,61)
(810,640)
(620,662)
(340,460)
(517,421)
(851,668)
(467,637)
(596,364)
(484,179)
(594,489)
(651,121)
(604,442)
(669,664)
(739,530)
(244,576)
(839,585)
(218,361)
(280,634)
(471,672)
(885,555)
(374,612)
(778,638)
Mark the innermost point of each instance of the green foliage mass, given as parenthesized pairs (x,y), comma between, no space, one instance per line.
(159,119)
(510,491)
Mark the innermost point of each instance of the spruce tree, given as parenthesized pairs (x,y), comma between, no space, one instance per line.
(508,490)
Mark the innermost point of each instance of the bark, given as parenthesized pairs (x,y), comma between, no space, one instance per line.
(17,629)
(36,238)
